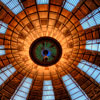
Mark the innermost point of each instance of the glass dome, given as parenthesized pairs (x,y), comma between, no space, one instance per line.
(75,25)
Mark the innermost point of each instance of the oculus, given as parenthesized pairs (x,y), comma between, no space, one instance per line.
(45,51)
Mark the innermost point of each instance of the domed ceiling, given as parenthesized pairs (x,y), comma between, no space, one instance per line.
(72,53)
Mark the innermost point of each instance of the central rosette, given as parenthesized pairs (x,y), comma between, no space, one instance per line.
(45,51)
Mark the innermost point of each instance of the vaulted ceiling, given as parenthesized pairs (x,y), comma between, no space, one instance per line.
(52,19)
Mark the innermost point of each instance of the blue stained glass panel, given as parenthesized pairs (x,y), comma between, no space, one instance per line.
(85,25)
(48,93)
(23,94)
(24,89)
(47,83)
(48,98)
(18,98)
(91,22)
(2,52)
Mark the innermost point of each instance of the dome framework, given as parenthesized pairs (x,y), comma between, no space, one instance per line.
(52,19)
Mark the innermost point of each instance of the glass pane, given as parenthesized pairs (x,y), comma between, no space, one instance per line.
(42,1)
(66,77)
(95,47)
(2,52)
(68,7)
(47,83)
(2,47)
(17,10)
(99,48)
(14,5)
(3,27)
(5,1)
(3,76)
(95,74)
(88,42)
(5,73)
(93,70)
(80,65)
(22,92)
(74,89)
(85,68)
(88,47)
(48,93)
(24,89)
(76,95)
(82,98)
(68,82)
(18,98)
(69,87)
(12,69)
(98,79)
(47,88)
(8,73)
(70,4)
(93,19)
(6,68)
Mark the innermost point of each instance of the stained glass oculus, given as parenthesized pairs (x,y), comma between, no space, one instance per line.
(45,51)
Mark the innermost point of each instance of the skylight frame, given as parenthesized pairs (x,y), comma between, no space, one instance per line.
(3,27)
(23,89)
(74,90)
(39,2)
(2,50)
(14,5)
(90,69)
(93,45)
(6,72)
(91,19)
(48,93)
